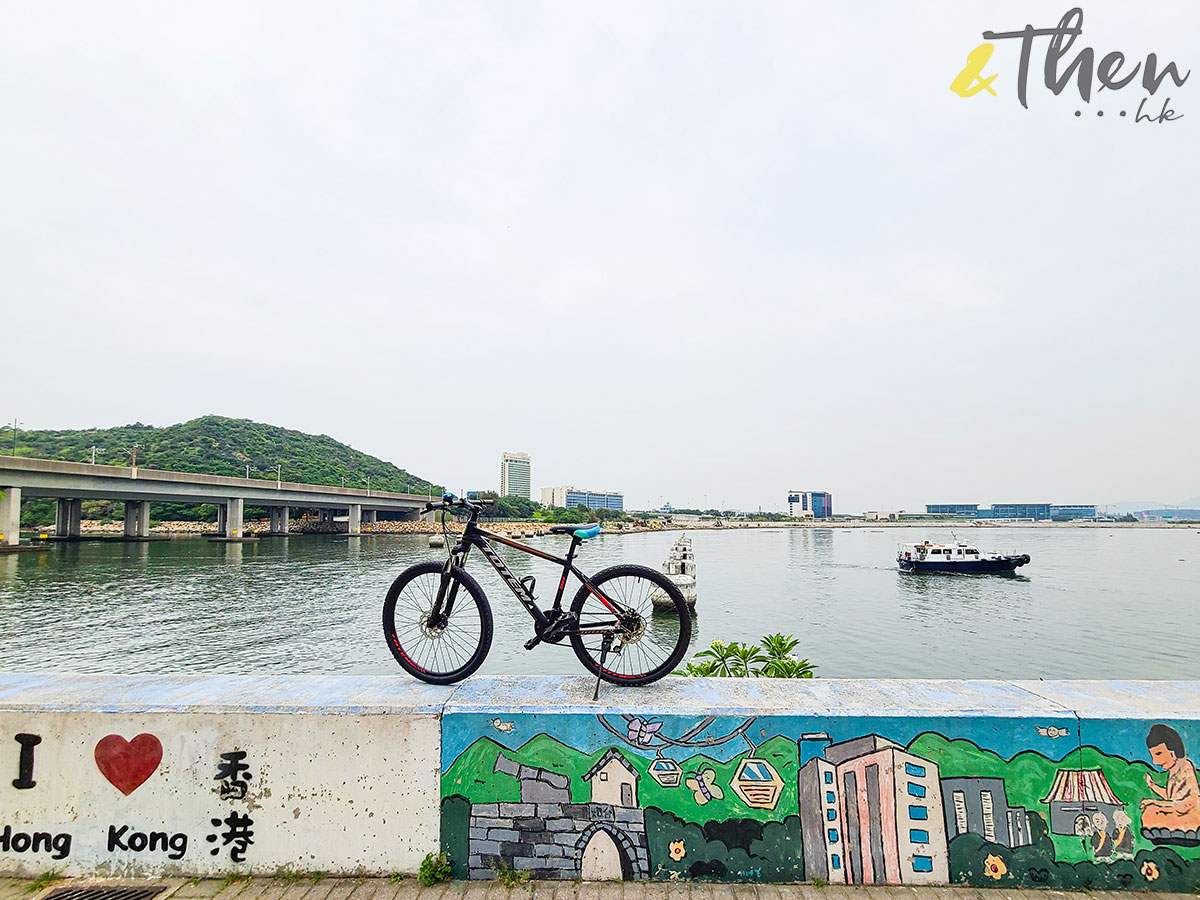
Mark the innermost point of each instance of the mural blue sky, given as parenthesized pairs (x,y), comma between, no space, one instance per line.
(766,244)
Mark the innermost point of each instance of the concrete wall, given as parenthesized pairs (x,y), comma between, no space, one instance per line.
(159,775)
(1005,784)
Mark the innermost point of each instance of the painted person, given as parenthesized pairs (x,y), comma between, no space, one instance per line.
(1174,807)
(1122,838)
(1102,842)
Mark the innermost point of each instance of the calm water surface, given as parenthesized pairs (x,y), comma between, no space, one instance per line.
(1094,603)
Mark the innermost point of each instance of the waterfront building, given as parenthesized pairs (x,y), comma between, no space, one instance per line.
(810,504)
(1037,511)
(1073,511)
(969,510)
(872,813)
(514,475)
(570,496)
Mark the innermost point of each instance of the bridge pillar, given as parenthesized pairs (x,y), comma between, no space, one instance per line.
(370,516)
(68,519)
(10,516)
(279,520)
(284,515)
(233,520)
(354,525)
(222,519)
(137,518)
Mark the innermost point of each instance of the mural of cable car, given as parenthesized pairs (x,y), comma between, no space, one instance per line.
(757,783)
(666,771)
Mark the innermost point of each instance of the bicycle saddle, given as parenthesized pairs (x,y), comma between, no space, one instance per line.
(580,531)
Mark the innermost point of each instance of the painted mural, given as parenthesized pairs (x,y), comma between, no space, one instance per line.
(988,802)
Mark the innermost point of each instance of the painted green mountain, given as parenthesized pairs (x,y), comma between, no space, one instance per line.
(472,776)
(1029,776)
(215,445)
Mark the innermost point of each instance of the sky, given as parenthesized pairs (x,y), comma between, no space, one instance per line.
(701,253)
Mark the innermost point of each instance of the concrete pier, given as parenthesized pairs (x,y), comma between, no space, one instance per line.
(137,519)
(233,517)
(10,516)
(68,520)
(354,526)
(279,520)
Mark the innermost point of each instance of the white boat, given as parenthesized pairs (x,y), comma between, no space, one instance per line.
(959,557)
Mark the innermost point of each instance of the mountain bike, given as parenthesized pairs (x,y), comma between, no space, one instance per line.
(627,624)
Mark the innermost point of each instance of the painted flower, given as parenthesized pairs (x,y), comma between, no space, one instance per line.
(1150,870)
(994,867)
(677,850)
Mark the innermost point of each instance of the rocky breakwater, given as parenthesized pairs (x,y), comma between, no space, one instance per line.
(680,567)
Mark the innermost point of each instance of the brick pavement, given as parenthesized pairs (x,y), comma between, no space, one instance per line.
(411,889)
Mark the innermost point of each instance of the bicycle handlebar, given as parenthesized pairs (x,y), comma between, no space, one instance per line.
(449,501)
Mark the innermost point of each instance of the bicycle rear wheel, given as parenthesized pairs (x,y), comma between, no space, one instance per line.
(652,625)
(442,649)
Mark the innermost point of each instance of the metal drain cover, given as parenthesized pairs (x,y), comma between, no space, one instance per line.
(108,892)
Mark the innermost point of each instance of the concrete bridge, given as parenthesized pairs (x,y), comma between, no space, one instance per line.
(72,482)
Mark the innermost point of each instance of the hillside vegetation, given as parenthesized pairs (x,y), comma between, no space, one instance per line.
(216,445)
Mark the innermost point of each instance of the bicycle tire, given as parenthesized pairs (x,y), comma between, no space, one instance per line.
(404,644)
(659,623)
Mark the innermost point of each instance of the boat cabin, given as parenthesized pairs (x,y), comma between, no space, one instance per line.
(960,551)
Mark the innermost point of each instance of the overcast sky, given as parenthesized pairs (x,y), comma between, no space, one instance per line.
(695,252)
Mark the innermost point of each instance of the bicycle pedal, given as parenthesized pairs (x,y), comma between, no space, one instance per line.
(528,587)
(533,642)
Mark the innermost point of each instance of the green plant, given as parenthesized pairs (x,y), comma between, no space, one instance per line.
(772,658)
(507,876)
(235,878)
(435,868)
(46,878)
(315,877)
(288,876)
(395,878)
(819,882)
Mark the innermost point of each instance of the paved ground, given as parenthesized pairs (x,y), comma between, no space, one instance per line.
(411,889)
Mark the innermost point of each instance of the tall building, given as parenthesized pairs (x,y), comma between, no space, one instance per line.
(514,475)
(570,497)
(871,813)
(810,504)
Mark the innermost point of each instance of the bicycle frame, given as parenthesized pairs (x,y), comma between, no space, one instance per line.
(474,536)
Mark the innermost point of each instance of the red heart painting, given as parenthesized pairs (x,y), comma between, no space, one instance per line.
(127,764)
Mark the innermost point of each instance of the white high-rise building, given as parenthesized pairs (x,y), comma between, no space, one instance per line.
(514,475)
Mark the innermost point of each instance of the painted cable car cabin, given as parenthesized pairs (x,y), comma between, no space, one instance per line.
(959,557)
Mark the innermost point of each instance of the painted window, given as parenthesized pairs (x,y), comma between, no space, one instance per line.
(756,771)
(829,778)
(918,812)
(836,860)
(604,776)
(916,790)
(960,812)
(922,863)
(831,814)
(833,837)
(918,836)
(829,798)
(915,771)
(989,816)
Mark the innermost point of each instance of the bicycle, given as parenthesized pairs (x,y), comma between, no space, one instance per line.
(633,614)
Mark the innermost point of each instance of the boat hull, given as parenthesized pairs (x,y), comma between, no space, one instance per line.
(996,565)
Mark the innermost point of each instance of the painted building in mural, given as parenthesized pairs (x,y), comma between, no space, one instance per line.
(881,807)
(1076,797)
(980,806)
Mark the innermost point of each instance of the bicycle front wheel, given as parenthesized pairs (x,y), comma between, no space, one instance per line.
(651,625)
(437,648)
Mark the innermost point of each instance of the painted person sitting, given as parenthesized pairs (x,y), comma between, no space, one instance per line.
(1102,842)
(1123,836)
(1174,807)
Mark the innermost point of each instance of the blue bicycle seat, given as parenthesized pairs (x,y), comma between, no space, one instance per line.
(583,532)
(589,532)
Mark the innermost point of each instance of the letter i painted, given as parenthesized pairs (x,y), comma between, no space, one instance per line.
(24,779)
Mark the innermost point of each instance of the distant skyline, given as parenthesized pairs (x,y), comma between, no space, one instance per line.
(688,251)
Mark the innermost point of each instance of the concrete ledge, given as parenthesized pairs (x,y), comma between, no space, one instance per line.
(1011,784)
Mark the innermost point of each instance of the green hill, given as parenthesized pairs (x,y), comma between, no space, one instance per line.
(216,445)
